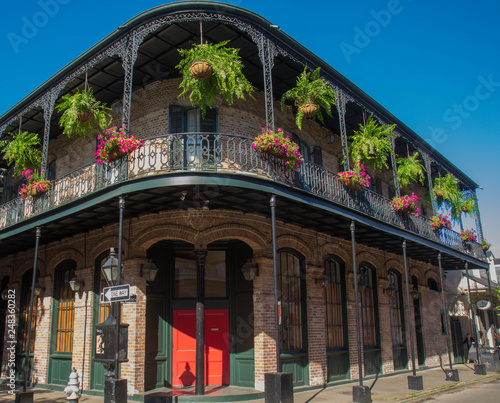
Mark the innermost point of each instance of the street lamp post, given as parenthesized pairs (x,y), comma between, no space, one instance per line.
(115,390)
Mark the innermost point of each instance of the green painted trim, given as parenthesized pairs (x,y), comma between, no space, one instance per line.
(236,180)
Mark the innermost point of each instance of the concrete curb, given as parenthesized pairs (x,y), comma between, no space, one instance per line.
(425,395)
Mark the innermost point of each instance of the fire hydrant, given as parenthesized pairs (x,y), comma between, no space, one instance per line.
(73,389)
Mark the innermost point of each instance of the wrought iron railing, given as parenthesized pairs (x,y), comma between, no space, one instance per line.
(219,153)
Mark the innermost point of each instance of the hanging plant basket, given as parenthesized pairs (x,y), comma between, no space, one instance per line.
(115,154)
(201,70)
(309,110)
(438,193)
(486,248)
(352,184)
(85,116)
(35,193)
(464,209)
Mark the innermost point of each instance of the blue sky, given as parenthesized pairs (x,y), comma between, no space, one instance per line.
(434,65)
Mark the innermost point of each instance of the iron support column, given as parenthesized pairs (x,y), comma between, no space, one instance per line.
(409,309)
(341,107)
(395,168)
(38,233)
(121,206)
(495,327)
(201,256)
(445,312)
(275,271)
(358,325)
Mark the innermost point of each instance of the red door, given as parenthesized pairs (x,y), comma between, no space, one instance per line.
(216,347)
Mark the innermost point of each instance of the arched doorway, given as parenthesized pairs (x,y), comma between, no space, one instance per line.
(170,356)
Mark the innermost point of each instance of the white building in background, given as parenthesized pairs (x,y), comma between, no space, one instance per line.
(486,316)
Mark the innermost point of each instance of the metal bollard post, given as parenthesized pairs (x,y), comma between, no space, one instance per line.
(73,389)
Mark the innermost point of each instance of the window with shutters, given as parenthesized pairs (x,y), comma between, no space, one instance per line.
(24,313)
(335,304)
(64,307)
(198,140)
(368,306)
(318,156)
(291,304)
(396,310)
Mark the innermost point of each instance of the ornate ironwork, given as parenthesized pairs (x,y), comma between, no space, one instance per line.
(220,153)
(341,106)
(267,53)
(395,167)
(427,163)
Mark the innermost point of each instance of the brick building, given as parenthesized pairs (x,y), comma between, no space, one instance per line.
(198,200)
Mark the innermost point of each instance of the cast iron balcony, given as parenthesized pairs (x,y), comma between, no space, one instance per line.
(220,153)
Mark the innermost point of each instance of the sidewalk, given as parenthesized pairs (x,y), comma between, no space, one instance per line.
(388,388)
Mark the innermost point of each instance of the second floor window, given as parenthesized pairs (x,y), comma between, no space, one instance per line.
(189,120)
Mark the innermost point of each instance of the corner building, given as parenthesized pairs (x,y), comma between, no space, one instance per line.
(197,196)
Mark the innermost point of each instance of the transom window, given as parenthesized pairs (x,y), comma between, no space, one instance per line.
(186,274)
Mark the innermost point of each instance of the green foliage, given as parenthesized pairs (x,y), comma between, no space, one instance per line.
(74,106)
(372,144)
(22,151)
(310,89)
(451,195)
(469,205)
(227,78)
(410,170)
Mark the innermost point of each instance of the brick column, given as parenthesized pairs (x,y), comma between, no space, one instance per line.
(135,315)
(264,323)
(42,335)
(316,326)
(82,326)
(351,325)
(385,326)
(4,370)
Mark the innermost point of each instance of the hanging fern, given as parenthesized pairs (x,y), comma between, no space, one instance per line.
(22,151)
(448,194)
(227,78)
(75,106)
(310,89)
(372,144)
(468,206)
(410,170)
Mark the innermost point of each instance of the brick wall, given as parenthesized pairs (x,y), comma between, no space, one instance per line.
(201,228)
